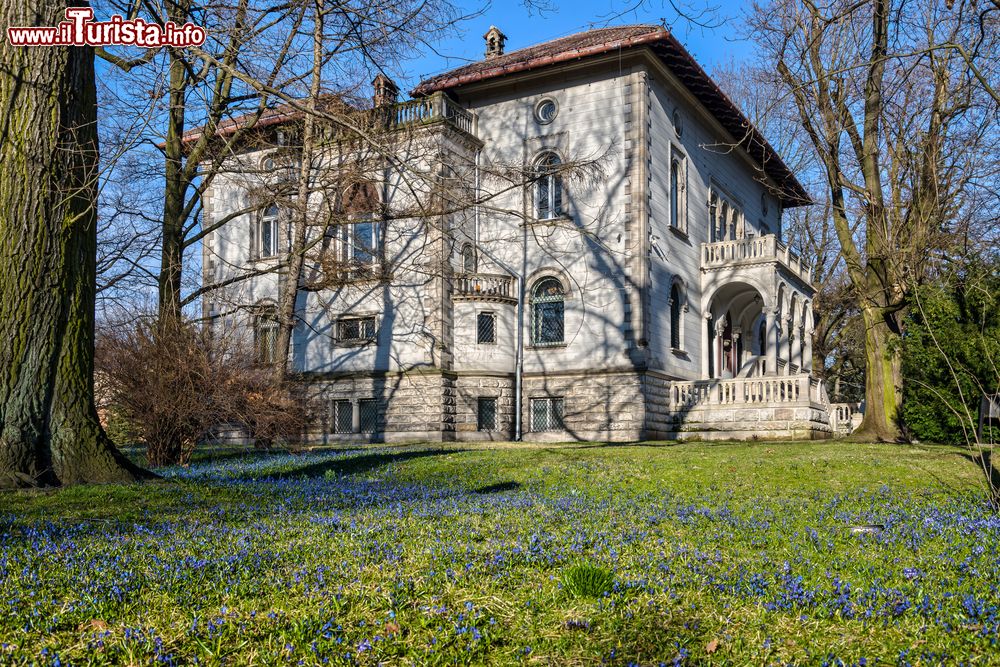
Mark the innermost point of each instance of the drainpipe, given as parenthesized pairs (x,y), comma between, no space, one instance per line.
(519,360)
(479,152)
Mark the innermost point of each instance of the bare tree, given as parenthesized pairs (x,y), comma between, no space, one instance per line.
(897,126)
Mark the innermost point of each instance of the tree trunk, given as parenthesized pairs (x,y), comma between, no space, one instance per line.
(174,193)
(296,254)
(883,380)
(49,430)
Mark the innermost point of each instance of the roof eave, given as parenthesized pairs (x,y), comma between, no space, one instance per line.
(433,86)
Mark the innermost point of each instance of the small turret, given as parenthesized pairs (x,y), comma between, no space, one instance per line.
(494,42)
(386,92)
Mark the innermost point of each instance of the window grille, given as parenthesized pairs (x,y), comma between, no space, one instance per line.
(368,415)
(343,417)
(486,328)
(547,312)
(356,329)
(265,332)
(546,414)
(487,414)
(675,317)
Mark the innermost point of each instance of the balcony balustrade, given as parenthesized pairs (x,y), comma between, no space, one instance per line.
(754,250)
(485,287)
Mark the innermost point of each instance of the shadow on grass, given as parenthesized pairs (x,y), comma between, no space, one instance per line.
(984,461)
(353,465)
(498,488)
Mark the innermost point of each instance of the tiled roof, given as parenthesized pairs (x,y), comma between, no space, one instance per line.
(669,50)
(563,48)
(277,115)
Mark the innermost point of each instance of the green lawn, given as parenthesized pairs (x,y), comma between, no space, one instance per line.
(723,553)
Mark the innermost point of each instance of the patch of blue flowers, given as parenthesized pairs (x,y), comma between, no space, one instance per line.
(337,558)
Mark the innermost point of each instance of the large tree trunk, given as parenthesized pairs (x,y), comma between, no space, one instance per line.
(883,379)
(49,431)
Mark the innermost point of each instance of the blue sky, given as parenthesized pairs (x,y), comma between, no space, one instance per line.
(720,42)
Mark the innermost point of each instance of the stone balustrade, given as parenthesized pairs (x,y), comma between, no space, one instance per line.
(437,107)
(775,390)
(485,287)
(753,250)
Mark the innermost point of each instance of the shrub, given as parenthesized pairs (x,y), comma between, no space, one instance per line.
(951,354)
(171,386)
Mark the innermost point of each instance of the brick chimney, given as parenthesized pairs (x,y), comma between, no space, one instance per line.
(385,91)
(494,42)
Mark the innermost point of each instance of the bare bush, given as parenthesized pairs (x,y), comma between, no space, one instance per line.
(173,388)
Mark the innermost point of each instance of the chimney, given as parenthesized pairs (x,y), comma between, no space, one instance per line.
(386,92)
(494,42)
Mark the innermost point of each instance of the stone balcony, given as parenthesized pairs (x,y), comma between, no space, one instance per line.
(437,108)
(753,251)
(484,287)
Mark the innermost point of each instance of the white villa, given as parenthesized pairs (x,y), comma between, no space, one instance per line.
(578,240)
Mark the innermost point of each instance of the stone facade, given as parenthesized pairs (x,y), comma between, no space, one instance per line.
(629,282)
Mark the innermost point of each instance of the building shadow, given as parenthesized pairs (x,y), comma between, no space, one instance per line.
(354,465)
(500,487)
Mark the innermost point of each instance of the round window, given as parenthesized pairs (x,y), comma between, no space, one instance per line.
(763,203)
(678,128)
(545,111)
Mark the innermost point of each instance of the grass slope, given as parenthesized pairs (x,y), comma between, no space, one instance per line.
(722,553)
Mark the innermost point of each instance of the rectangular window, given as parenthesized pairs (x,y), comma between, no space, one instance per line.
(368,415)
(547,414)
(343,417)
(356,329)
(487,414)
(358,248)
(267,233)
(486,328)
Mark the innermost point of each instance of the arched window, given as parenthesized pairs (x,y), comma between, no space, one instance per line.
(675,316)
(548,187)
(468,258)
(547,312)
(762,336)
(675,184)
(267,232)
(265,334)
(713,210)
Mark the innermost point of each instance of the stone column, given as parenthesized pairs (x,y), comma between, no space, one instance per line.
(737,357)
(771,342)
(788,340)
(807,348)
(706,347)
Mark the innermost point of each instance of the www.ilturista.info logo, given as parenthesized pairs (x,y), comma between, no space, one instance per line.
(79,29)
